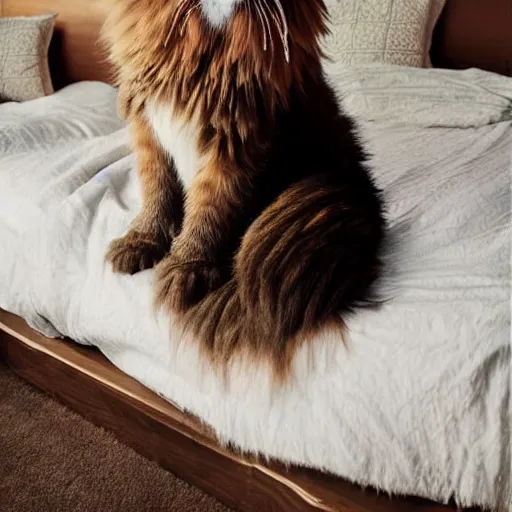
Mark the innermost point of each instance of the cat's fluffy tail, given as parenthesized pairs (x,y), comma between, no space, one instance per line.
(306,261)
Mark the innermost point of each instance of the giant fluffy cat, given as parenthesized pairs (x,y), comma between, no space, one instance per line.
(257,205)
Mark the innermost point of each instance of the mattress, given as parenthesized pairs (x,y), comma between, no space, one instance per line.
(418,399)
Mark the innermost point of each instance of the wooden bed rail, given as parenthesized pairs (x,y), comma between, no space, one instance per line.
(85,381)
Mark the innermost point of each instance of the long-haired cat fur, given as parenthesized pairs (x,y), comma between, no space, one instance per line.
(258,208)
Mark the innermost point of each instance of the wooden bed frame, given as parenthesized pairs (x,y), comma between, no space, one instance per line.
(471,33)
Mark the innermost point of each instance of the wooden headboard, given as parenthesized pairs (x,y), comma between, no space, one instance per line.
(470,33)
(474,33)
(75,53)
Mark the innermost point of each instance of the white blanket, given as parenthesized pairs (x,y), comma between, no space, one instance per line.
(419,401)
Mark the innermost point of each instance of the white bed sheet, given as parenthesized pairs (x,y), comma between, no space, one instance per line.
(419,401)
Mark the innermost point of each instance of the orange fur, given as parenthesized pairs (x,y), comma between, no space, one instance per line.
(281,224)
(151,233)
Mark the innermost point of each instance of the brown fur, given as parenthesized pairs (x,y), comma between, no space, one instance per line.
(150,236)
(282,225)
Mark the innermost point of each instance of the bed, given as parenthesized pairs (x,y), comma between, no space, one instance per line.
(419,403)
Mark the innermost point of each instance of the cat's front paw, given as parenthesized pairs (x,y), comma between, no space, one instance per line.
(135,252)
(182,283)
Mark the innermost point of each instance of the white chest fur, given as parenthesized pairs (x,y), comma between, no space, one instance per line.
(179,137)
(218,11)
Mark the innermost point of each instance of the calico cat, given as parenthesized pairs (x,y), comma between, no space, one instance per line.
(258,208)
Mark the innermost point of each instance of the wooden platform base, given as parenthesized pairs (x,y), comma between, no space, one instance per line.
(85,381)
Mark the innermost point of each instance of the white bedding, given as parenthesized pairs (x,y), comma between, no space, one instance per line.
(419,401)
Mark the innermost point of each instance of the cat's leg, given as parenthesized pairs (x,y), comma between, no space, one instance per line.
(216,212)
(150,235)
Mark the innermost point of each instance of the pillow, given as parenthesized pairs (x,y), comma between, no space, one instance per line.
(381,31)
(24,71)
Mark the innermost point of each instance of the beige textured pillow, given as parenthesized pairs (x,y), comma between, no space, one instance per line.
(381,31)
(24,71)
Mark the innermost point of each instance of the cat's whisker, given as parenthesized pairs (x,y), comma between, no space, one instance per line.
(179,12)
(260,16)
(283,29)
(272,13)
(187,16)
(263,4)
(249,8)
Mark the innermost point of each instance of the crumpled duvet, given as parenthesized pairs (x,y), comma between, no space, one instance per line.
(418,400)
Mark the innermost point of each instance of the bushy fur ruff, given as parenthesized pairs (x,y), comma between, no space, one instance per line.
(279,232)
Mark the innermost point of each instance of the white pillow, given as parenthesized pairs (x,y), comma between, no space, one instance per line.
(381,31)
(24,70)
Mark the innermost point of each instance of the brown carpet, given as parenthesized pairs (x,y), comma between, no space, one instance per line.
(52,460)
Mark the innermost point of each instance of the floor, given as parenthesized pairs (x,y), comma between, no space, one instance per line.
(52,460)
